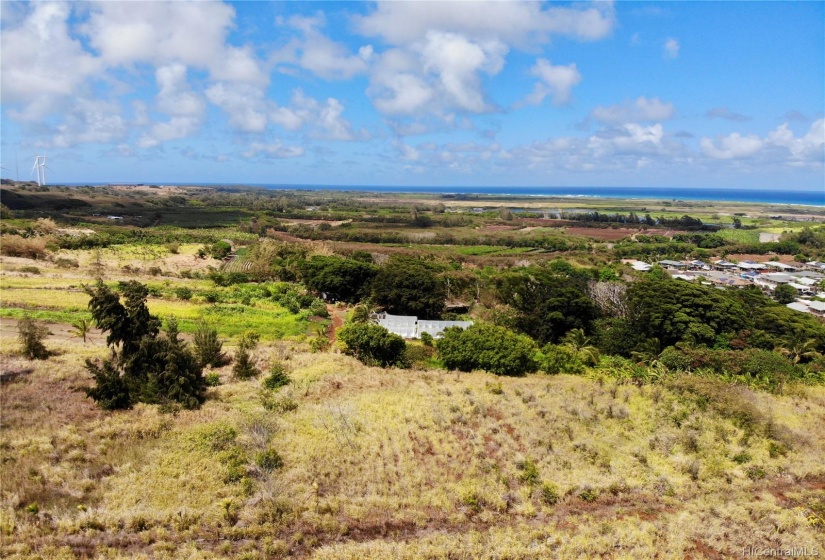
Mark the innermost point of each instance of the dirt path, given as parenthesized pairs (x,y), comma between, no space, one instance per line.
(337,316)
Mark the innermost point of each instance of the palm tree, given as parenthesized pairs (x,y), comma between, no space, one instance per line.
(797,349)
(580,342)
(81,328)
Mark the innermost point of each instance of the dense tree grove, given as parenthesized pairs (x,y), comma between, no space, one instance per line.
(409,286)
(340,279)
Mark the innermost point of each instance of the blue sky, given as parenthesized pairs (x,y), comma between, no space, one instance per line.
(699,94)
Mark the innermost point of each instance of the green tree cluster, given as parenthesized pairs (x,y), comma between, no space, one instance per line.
(487,347)
(372,344)
(144,366)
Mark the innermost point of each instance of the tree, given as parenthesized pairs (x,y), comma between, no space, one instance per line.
(244,367)
(549,303)
(341,279)
(144,366)
(220,250)
(409,286)
(372,344)
(81,328)
(31,335)
(488,347)
(580,344)
(207,346)
(785,294)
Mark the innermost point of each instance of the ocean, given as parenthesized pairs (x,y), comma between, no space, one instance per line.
(765,196)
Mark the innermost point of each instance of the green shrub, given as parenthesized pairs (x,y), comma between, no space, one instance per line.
(30,269)
(244,367)
(208,347)
(560,359)
(488,347)
(62,262)
(529,472)
(213,379)
(426,339)
(372,344)
(269,460)
(31,335)
(183,293)
(277,377)
(549,493)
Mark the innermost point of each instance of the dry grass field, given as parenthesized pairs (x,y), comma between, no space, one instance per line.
(404,464)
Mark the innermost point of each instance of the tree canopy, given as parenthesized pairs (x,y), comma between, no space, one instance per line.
(409,286)
(144,366)
(342,279)
(488,347)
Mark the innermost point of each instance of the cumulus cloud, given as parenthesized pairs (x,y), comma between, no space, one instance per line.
(191,33)
(732,146)
(243,103)
(175,98)
(320,55)
(323,120)
(43,64)
(671,48)
(441,49)
(804,150)
(727,114)
(517,22)
(642,109)
(557,81)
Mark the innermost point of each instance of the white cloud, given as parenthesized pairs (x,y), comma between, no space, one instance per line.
(319,54)
(808,149)
(441,50)
(191,33)
(275,150)
(42,64)
(732,146)
(642,109)
(90,122)
(243,103)
(324,120)
(671,48)
(175,98)
(557,81)
(456,63)
(517,22)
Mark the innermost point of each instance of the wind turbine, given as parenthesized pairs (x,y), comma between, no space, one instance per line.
(40,166)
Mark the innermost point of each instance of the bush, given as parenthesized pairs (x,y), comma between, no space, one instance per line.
(213,379)
(372,344)
(277,377)
(31,337)
(30,269)
(183,293)
(269,460)
(549,493)
(560,359)
(426,339)
(488,347)
(244,367)
(62,262)
(17,246)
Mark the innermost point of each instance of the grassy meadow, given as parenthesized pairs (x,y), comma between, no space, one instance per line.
(354,462)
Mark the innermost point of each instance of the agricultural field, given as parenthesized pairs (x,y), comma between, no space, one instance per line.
(322,454)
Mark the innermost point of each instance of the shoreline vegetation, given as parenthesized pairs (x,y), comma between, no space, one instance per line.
(196,372)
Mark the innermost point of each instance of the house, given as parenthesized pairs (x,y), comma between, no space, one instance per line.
(723,265)
(750,266)
(774,265)
(772,280)
(817,308)
(409,326)
(673,264)
(798,306)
